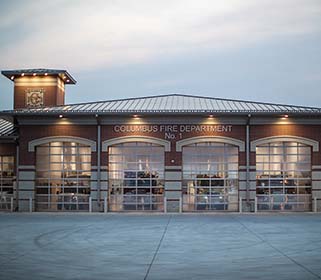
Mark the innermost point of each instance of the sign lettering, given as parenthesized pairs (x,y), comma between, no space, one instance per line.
(170,129)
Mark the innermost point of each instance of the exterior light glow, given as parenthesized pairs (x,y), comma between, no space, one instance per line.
(135,116)
(285,117)
(46,74)
(22,74)
(34,74)
(68,81)
(211,116)
(61,116)
(12,77)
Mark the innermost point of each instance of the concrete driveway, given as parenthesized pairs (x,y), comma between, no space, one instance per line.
(150,246)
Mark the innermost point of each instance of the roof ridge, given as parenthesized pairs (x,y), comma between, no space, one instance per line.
(187,95)
(228,104)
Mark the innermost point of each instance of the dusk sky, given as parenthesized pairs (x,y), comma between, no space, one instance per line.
(267,50)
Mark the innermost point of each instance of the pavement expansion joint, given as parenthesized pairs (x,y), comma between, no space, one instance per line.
(277,249)
(158,247)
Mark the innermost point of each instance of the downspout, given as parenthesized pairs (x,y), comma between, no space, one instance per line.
(98,162)
(16,195)
(17,177)
(248,158)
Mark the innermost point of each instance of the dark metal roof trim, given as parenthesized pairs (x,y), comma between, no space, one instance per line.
(40,71)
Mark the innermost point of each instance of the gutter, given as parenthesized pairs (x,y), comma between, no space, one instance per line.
(98,162)
(248,158)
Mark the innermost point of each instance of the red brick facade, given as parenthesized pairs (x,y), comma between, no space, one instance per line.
(170,132)
(7,149)
(29,133)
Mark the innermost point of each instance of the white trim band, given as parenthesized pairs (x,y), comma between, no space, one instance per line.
(126,139)
(284,138)
(202,139)
(32,144)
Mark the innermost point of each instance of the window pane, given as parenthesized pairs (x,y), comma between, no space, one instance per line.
(283,168)
(63,171)
(139,168)
(7,174)
(210,169)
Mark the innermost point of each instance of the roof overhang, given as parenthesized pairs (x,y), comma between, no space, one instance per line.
(62,74)
(9,115)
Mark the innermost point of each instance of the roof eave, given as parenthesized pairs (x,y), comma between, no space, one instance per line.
(9,73)
(172,113)
(8,137)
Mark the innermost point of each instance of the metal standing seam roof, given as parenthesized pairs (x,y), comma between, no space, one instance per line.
(6,128)
(171,103)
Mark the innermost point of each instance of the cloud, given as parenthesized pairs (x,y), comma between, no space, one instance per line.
(92,34)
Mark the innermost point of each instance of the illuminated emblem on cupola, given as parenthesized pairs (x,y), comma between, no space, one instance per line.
(34,97)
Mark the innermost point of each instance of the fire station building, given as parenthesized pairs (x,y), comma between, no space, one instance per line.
(166,153)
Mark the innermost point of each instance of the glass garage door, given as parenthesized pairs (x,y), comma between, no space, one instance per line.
(210,177)
(283,176)
(63,171)
(136,177)
(6,181)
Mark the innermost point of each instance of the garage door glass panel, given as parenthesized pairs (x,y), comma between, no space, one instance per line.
(210,177)
(64,169)
(6,181)
(283,176)
(136,177)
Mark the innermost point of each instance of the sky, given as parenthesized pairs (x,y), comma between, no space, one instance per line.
(267,50)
